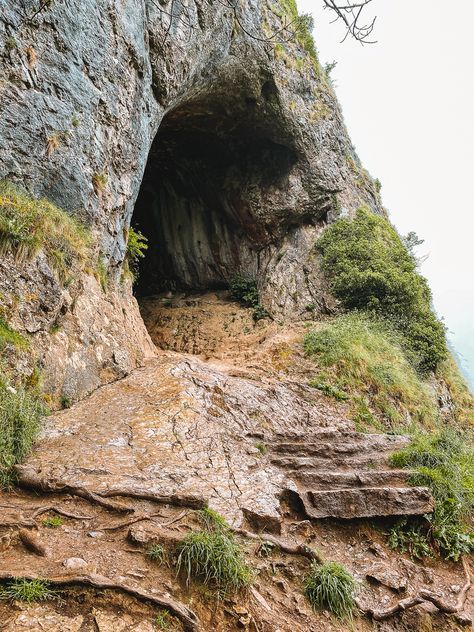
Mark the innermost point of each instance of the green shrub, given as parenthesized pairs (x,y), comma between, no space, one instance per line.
(329,390)
(444,462)
(28,225)
(244,289)
(136,246)
(331,587)
(359,356)
(408,537)
(28,590)
(52,522)
(212,520)
(20,420)
(369,268)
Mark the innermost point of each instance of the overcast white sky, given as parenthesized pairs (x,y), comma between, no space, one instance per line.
(408,102)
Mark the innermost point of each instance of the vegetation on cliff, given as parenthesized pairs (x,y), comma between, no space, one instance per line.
(444,462)
(369,268)
(29,224)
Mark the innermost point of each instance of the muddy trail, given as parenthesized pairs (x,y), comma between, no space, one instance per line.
(221,416)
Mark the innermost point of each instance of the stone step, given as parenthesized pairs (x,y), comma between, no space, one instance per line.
(319,480)
(340,443)
(367,502)
(329,462)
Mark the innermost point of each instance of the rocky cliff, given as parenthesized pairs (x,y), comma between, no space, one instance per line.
(212,129)
(227,149)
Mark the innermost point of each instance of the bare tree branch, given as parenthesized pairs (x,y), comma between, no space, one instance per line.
(350,14)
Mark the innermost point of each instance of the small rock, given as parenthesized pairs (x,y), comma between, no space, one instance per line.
(96,534)
(377,549)
(385,575)
(455,588)
(74,563)
(240,610)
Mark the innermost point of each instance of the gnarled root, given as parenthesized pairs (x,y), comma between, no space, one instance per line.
(424,595)
(185,615)
(285,547)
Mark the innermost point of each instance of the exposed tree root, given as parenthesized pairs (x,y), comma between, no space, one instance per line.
(185,615)
(127,523)
(193,502)
(424,595)
(61,512)
(298,549)
(33,543)
(29,479)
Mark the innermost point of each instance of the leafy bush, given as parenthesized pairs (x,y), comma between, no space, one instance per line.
(331,587)
(20,418)
(28,225)
(244,289)
(444,462)
(136,246)
(28,590)
(369,268)
(359,356)
(213,556)
(411,538)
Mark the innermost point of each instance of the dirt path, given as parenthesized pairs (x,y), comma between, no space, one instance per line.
(233,425)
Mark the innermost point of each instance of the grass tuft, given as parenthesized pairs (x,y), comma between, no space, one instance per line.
(156,553)
(331,587)
(27,590)
(212,520)
(20,420)
(28,225)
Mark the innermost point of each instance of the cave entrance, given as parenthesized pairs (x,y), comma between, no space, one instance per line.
(202,200)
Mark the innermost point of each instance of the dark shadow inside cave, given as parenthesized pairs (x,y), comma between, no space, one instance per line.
(200,202)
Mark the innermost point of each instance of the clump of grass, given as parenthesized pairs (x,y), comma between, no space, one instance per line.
(331,587)
(213,556)
(29,224)
(27,590)
(244,289)
(359,357)
(329,390)
(163,620)
(10,336)
(20,420)
(52,522)
(444,462)
(99,182)
(369,268)
(262,448)
(101,273)
(156,553)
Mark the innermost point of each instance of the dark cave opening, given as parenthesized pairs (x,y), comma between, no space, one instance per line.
(201,202)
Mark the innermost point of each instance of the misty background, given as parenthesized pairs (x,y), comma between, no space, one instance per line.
(408,103)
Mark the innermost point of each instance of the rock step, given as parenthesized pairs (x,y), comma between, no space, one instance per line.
(317,480)
(340,443)
(344,462)
(367,502)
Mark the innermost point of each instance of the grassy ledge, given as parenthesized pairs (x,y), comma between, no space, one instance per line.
(358,358)
(444,462)
(29,224)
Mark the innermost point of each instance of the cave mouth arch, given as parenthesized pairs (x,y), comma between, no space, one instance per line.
(201,203)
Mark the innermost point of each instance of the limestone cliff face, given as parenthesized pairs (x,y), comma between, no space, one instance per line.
(235,149)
